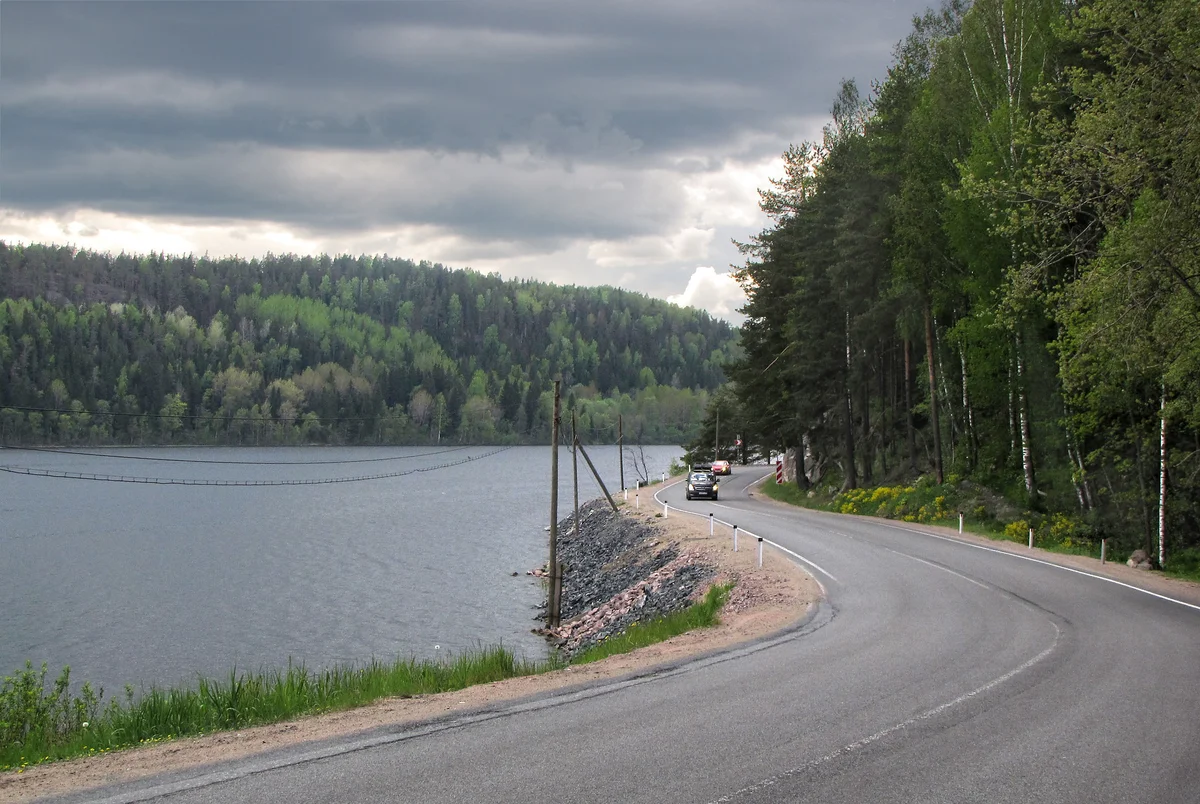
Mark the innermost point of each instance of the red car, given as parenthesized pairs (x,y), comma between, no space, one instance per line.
(722,468)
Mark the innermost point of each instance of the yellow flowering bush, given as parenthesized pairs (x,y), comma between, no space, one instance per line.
(1016,530)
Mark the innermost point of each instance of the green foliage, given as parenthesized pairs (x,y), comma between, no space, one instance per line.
(989,269)
(1185,564)
(380,351)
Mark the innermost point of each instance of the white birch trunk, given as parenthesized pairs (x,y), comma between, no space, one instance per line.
(1162,481)
(1023,415)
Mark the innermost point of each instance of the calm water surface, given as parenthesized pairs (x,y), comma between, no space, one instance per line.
(144,584)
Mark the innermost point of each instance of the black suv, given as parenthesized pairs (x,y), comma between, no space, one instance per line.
(701,484)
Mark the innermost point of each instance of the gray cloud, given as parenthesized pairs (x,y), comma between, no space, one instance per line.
(522,122)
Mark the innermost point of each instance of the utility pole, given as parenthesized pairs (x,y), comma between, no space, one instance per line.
(596,475)
(717,438)
(575,467)
(621,448)
(552,608)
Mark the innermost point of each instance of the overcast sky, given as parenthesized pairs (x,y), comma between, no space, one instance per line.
(585,143)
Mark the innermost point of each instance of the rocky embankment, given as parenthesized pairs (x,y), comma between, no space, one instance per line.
(619,571)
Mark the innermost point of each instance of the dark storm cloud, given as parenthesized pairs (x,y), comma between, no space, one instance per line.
(190,109)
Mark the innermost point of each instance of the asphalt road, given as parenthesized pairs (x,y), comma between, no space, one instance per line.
(936,672)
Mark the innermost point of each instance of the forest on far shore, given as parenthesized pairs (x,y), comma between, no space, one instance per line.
(139,349)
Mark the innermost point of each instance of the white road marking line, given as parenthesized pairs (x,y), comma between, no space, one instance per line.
(1046,563)
(938,566)
(776,545)
(879,735)
(794,555)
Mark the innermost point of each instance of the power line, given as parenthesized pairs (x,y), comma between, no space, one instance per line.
(54,451)
(214,416)
(169,481)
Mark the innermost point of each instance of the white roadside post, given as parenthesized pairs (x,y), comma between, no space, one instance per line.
(735,538)
(1031,538)
(626,493)
(960,521)
(760,551)
(710,524)
(664,510)
(1103,549)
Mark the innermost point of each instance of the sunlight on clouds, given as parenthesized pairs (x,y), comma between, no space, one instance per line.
(103,231)
(688,244)
(720,294)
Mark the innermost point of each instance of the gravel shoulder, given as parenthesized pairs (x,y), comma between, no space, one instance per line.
(763,601)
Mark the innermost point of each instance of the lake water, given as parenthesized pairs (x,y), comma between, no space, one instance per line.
(142,584)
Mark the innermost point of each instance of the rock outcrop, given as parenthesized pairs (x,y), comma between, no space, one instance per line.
(618,571)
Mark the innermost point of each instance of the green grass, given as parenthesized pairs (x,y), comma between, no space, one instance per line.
(41,724)
(699,615)
(1184,564)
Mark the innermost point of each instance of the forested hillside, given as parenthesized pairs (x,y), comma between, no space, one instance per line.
(989,269)
(288,349)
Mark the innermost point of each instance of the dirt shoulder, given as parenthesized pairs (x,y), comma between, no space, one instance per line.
(764,600)
(1151,581)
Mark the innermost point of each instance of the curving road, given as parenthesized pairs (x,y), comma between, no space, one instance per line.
(938,671)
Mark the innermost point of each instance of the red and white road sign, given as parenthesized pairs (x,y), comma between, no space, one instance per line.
(779,471)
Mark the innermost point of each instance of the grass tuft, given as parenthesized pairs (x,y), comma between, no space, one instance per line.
(701,614)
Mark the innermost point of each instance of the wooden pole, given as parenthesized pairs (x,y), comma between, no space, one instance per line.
(552,609)
(621,448)
(575,466)
(596,475)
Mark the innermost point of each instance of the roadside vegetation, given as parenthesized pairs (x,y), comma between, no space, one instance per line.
(702,614)
(986,267)
(984,514)
(41,723)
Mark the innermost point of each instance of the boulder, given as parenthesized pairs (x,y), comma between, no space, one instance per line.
(1139,560)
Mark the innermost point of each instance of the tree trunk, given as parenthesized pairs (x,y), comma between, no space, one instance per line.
(908,405)
(1026,435)
(1139,458)
(868,457)
(972,438)
(1012,413)
(933,400)
(943,375)
(851,480)
(1162,480)
(1083,489)
(801,470)
(851,470)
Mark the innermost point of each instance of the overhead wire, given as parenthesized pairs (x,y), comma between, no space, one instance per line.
(168,481)
(56,451)
(212,416)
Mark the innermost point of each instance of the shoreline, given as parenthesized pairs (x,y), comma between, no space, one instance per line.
(763,602)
